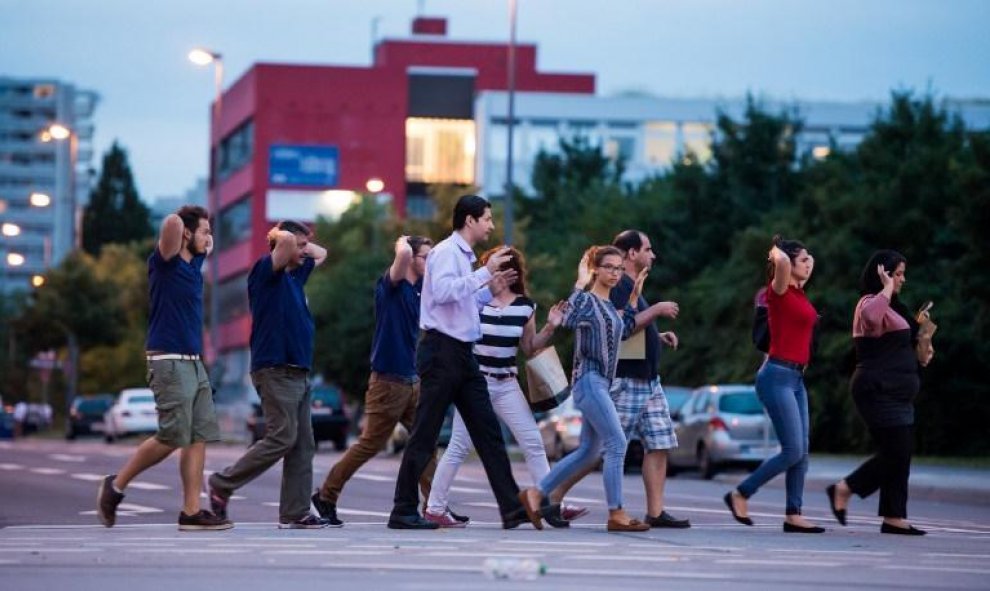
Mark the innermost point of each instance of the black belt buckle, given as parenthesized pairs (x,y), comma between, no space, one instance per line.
(788,364)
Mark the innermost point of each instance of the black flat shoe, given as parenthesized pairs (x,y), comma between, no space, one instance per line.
(667,520)
(886,528)
(515,518)
(728,503)
(458,518)
(790,528)
(840,514)
(551,514)
(414,521)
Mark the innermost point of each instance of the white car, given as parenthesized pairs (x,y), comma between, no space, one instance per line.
(133,412)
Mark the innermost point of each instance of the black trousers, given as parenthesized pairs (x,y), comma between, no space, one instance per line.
(449,374)
(887,470)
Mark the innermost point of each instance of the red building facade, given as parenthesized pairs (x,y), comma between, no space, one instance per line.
(294,140)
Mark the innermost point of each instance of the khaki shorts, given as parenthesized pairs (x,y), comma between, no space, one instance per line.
(184,400)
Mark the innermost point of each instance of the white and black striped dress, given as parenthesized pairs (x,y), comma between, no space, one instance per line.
(501,330)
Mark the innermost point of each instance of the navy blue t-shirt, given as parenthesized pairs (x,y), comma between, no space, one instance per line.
(639,369)
(175,323)
(393,349)
(282,329)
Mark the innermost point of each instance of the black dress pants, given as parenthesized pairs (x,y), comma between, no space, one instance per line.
(449,373)
(887,471)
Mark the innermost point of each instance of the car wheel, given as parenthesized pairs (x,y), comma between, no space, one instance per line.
(70,435)
(340,443)
(108,438)
(707,468)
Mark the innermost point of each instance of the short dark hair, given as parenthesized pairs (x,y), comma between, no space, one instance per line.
(628,240)
(190,216)
(417,242)
(469,205)
(289,226)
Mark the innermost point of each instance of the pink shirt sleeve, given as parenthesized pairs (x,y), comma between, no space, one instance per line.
(874,317)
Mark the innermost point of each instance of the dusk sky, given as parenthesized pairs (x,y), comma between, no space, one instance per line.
(155,102)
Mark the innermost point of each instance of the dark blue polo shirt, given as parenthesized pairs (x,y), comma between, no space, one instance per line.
(393,348)
(175,323)
(282,329)
(640,369)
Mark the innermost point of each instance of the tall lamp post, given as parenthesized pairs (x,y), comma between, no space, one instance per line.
(511,122)
(205,57)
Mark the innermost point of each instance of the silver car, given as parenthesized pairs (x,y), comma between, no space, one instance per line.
(722,426)
(560,428)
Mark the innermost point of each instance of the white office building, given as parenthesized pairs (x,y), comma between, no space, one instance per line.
(46,134)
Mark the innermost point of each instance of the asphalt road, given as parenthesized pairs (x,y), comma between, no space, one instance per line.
(50,538)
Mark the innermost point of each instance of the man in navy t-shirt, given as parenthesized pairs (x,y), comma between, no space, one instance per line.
(183,396)
(393,388)
(282,332)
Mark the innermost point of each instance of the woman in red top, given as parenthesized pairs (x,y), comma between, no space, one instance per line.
(780,383)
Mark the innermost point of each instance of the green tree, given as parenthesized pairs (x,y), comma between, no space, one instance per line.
(115,212)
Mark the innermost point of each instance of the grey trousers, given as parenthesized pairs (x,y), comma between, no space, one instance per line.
(285,402)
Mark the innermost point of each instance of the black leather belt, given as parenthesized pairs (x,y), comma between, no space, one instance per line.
(787,364)
(499,376)
(396,379)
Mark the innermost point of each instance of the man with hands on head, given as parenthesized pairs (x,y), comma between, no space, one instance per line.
(282,332)
(452,297)
(183,396)
(393,387)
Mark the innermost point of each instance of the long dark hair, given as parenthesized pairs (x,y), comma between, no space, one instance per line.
(516,261)
(869,283)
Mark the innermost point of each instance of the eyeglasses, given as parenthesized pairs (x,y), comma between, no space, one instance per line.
(611,268)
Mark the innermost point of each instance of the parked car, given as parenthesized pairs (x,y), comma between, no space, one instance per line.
(6,423)
(133,413)
(723,426)
(676,397)
(560,428)
(328,417)
(86,414)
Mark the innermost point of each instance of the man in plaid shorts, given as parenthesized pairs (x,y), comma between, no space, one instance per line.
(636,391)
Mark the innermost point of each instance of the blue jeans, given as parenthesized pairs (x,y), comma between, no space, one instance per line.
(782,392)
(600,428)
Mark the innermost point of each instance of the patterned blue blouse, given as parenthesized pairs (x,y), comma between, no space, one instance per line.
(598,328)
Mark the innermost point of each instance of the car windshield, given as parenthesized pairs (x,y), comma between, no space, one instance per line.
(94,406)
(140,399)
(676,397)
(741,403)
(326,397)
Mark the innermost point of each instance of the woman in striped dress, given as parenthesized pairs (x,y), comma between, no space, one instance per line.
(507,323)
(598,328)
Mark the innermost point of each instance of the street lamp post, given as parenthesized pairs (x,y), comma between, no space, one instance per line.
(204,57)
(510,121)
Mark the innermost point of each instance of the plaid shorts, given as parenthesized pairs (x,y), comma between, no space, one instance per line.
(643,412)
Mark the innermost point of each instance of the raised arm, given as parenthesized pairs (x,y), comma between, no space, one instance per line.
(781,270)
(403,258)
(170,237)
(447,285)
(315,252)
(533,341)
(285,249)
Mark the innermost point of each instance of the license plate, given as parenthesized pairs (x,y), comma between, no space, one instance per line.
(322,411)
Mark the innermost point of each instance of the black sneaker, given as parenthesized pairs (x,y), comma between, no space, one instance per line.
(667,520)
(458,518)
(327,510)
(307,522)
(218,503)
(107,500)
(203,521)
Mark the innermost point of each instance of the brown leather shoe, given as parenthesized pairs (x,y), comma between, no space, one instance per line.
(633,525)
(532,512)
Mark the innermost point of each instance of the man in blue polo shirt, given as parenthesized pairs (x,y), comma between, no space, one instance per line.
(393,388)
(183,396)
(282,331)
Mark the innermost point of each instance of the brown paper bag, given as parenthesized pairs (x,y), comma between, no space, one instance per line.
(547,383)
(926,330)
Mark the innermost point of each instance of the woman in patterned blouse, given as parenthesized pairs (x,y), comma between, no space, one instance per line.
(598,329)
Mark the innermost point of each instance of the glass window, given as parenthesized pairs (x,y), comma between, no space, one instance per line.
(235,151)
(741,403)
(233,297)
(661,142)
(620,147)
(440,150)
(698,139)
(235,223)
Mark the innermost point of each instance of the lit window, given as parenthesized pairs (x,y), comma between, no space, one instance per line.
(698,140)
(661,142)
(440,150)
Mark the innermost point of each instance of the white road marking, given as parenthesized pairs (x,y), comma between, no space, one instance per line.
(363,513)
(374,477)
(327,552)
(404,540)
(67,458)
(11,467)
(48,471)
(555,543)
(148,486)
(941,569)
(185,550)
(955,555)
(484,504)
(468,490)
(49,550)
(88,477)
(129,509)
(450,568)
(849,552)
(624,558)
(754,562)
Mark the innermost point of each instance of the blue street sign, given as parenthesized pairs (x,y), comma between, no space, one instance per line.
(303,166)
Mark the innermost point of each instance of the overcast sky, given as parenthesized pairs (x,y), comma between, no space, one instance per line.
(132,52)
